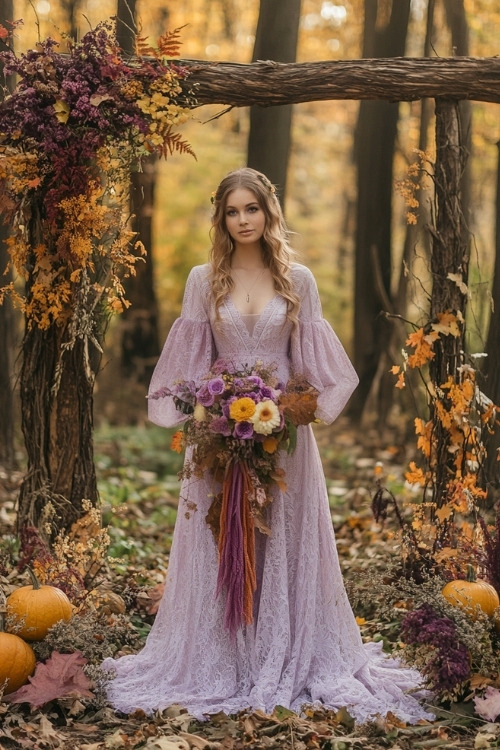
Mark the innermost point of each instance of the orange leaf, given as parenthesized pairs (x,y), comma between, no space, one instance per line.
(444,513)
(448,324)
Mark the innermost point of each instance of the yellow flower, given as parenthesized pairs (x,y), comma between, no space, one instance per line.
(242,409)
(200,413)
(266,417)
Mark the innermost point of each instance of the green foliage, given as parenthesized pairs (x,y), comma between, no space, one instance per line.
(139,488)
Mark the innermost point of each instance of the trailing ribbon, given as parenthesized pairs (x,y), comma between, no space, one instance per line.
(236,576)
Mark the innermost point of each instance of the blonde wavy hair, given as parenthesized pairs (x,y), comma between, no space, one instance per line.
(277,252)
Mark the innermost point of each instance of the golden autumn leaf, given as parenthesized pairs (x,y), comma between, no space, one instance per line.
(446,553)
(448,324)
(442,514)
(400,381)
(415,475)
(422,343)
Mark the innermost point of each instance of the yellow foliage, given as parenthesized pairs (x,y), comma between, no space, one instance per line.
(424,429)
(422,343)
(448,324)
(415,475)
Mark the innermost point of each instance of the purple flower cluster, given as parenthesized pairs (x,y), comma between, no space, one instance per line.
(449,664)
(65,107)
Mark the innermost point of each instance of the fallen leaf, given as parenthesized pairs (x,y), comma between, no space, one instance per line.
(116,740)
(61,675)
(172,742)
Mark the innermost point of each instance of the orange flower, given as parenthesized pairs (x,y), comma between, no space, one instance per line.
(270,444)
(242,409)
(177,442)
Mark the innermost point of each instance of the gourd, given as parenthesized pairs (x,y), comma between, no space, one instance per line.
(471,593)
(17,660)
(33,609)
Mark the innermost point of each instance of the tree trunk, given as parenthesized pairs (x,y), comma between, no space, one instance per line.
(456,18)
(56,408)
(270,129)
(397,306)
(450,255)
(7,453)
(492,365)
(374,150)
(71,8)
(140,340)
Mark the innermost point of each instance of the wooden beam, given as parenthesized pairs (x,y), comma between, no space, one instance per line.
(390,79)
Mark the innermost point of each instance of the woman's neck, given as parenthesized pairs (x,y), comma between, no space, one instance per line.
(249,257)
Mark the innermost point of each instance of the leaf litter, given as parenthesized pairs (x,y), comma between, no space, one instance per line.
(65,708)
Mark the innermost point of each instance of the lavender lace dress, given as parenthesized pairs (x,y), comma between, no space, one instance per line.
(304,645)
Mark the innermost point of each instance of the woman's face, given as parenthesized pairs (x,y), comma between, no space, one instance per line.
(245,219)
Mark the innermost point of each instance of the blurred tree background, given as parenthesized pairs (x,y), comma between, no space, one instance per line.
(347,163)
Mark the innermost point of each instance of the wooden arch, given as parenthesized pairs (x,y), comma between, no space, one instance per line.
(447,81)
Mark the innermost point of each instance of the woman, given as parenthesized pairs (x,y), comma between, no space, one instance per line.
(303,646)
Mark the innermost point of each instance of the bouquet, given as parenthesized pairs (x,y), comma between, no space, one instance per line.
(238,422)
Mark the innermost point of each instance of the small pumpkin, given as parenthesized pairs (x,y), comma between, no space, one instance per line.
(471,593)
(33,609)
(17,661)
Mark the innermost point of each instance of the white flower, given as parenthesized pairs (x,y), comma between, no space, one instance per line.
(200,413)
(266,417)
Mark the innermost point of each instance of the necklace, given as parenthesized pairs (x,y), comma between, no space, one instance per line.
(243,285)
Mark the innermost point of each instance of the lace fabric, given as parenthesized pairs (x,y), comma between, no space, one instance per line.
(304,646)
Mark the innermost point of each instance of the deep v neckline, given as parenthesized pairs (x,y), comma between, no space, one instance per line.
(259,323)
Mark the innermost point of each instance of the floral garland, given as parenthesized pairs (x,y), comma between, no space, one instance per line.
(238,422)
(70,133)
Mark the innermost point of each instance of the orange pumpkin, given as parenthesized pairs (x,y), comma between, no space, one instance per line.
(471,594)
(17,661)
(33,609)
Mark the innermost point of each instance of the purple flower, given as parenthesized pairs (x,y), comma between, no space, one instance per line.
(449,668)
(221,426)
(204,397)
(216,386)
(268,392)
(255,380)
(243,430)
(449,665)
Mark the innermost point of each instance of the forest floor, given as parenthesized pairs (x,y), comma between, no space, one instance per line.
(138,488)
